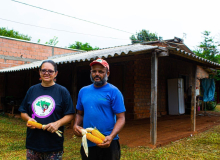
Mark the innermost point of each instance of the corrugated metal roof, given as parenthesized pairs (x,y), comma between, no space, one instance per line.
(194,57)
(108,52)
(85,56)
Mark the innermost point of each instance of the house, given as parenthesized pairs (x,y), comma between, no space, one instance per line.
(140,71)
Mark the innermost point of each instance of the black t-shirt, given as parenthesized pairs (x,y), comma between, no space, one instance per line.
(46,105)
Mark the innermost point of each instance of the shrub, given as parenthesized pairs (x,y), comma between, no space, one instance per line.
(210,105)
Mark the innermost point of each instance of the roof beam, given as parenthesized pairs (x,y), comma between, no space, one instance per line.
(162,52)
(18,58)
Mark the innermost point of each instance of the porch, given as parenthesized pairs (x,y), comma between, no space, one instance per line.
(169,129)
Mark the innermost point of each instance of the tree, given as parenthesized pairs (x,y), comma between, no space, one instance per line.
(81,46)
(144,35)
(207,49)
(13,34)
(53,42)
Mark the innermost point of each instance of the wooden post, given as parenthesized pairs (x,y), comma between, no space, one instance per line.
(12,112)
(153,109)
(193,99)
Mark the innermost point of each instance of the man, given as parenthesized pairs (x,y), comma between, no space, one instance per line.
(100,105)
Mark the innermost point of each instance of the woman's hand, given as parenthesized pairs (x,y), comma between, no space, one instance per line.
(30,126)
(52,127)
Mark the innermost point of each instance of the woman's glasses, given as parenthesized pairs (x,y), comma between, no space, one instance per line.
(50,72)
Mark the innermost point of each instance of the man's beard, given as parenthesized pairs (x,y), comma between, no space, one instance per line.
(101,82)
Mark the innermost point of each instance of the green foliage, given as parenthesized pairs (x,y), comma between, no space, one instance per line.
(52,42)
(210,106)
(207,49)
(217,76)
(81,46)
(144,36)
(13,34)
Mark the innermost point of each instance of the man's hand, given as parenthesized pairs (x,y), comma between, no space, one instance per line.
(106,143)
(77,130)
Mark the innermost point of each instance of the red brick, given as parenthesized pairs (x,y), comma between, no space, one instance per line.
(17,48)
(28,56)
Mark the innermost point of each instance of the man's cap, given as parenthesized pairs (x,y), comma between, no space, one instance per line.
(100,61)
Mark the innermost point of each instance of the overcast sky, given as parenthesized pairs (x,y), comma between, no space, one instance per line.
(167,18)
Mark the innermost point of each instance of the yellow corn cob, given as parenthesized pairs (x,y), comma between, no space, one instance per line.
(98,134)
(93,138)
(35,124)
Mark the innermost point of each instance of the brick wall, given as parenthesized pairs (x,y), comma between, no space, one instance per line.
(15,52)
(142,88)
(168,68)
(201,73)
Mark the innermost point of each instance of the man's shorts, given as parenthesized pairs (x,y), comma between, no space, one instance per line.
(113,152)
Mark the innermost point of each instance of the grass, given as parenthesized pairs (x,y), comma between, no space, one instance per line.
(205,145)
(217,108)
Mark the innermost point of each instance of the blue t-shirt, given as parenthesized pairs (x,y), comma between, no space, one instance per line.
(46,105)
(100,106)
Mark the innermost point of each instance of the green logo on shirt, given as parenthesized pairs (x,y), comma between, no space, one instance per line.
(102,99)
(43,104)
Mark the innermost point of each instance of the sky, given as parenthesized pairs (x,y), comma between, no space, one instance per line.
(166,18)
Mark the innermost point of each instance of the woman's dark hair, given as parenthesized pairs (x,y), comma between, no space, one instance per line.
(51,62)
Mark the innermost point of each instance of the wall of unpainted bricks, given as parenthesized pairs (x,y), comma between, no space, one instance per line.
(201,73)
(14,52)
(168,68)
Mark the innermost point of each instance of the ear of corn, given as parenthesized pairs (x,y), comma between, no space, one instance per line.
(98,134)
(35,124)
(85,145)
(93,138)
(89,129)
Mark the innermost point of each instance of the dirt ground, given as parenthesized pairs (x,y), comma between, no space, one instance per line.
(169,128)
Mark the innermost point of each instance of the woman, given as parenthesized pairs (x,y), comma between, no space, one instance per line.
(50,104)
